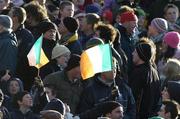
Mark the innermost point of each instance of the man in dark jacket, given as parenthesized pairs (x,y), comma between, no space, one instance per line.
(8,45)
(126,27)
(144,81)
(25,41)
(68,83)
(69,36)
(103,88)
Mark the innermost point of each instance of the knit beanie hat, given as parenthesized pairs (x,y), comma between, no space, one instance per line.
(108,106)
(140,12)
(43,27)
(160,24)
(173,90)
(6,21)
(59,50)
(73,62)
(100,109)
(55,104)
(172,39)
(128,16)
(71,24)
(144,51)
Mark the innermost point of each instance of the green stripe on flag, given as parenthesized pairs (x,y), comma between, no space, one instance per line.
(37,49)
(106,57)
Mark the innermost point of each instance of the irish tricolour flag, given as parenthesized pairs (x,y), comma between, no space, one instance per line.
(36,56)
(95,60)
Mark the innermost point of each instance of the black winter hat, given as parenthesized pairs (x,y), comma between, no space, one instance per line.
(71,24)
(55,104)
(100,109)
(44,26)
(73,62)
(174,90)
(93,42)
(144,51)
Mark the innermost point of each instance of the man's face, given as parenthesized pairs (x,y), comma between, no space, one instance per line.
(63,59)
(130,26)
(117,113)
(49,93)
(68,11)
(76,72)
(50,34)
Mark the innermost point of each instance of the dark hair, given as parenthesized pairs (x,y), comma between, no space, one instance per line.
(18,97)
(20,13)
(52,87)
(21,87)
(169,52)
(171,107)
(107,32)
(92,18)
(65,3)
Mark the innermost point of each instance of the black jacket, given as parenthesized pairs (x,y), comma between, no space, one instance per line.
(25,42)
(98,92)
(146,88)
(19,115)
(8,51)
(127,45)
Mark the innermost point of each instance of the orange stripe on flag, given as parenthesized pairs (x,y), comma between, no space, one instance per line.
(86,66)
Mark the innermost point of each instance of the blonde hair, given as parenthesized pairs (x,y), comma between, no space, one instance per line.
(172,68)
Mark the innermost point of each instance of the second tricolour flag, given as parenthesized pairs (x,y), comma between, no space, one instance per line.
(95,60)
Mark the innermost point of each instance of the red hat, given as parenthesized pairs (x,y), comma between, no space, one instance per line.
(107,14)
(172,39)
(128,16)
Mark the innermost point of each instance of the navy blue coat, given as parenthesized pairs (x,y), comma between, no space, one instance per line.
(8,51)
(127,45)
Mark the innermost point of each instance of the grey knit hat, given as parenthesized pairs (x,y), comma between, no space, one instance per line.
(6,21)
(59,50)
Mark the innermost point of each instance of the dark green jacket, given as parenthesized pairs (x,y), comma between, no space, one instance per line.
(67,91)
